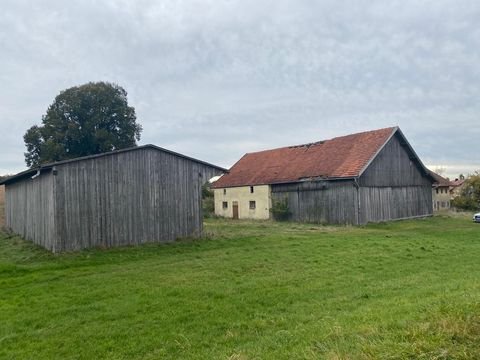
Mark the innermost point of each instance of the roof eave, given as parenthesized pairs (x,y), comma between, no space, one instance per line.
(148,146)
(286,182)
(24,174)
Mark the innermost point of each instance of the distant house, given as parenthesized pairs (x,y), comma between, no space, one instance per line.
(440,192)
(353,179)
(125,197)
(456,187)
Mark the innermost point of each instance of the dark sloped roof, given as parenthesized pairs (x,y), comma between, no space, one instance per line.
(341,157)
(439,180)
(49,166)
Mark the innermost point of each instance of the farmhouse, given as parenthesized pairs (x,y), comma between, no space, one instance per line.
(440,192)
(456,187)
(125,197)
(366,177)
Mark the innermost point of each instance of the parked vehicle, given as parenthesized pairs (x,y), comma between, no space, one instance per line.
(476,217)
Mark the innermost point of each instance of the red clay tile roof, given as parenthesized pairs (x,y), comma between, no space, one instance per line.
(340,157)
(457,182)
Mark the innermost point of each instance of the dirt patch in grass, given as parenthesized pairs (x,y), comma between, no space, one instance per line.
(2,206)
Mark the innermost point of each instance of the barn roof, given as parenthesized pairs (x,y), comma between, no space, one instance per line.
(49,166)
(439,180)
(338,158)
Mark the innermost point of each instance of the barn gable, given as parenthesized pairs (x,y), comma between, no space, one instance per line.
(395,164)
(395,184)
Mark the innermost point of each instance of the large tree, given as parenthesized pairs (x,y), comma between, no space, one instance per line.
(83,120)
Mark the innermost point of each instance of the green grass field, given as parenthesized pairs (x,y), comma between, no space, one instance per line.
(251,290)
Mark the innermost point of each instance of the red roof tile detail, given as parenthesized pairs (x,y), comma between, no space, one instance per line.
(340,157)
(457,182)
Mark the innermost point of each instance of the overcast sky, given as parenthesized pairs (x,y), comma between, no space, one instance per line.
(216,79)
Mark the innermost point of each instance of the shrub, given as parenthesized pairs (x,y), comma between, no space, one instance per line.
(280,210)
(208,202)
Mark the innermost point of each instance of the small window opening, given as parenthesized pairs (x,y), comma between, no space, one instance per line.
(252,205)
(251,189)
(225,205)
(224,191)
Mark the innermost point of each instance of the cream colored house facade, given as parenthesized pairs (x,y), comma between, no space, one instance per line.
(243,202)
(441,198)
(440,192)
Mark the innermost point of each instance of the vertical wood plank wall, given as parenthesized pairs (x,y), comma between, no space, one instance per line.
(394,187)
(393,167)
(30,209)
(2,206)
(333,202)
(129,198)
(389,203)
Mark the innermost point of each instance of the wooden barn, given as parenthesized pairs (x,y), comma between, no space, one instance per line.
(366,177)
(125,197)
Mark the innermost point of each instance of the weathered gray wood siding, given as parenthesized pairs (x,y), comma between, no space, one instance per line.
(30,209)
(333,202)
(390,203)
(394,186)
(129,198)
(393,167)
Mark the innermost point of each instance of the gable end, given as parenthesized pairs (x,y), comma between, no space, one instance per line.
(396,164)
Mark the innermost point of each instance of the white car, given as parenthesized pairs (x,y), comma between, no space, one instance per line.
(476,217)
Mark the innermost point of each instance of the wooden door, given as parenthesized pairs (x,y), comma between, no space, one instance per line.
(235,210)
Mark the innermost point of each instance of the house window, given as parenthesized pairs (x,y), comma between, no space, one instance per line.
(435,189)
(225,205)
(224,191)
(251,189)
(252,205)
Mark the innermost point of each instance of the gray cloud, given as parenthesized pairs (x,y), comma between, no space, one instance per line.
(216,79)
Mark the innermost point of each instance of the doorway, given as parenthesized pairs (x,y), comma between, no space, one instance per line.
(235,210)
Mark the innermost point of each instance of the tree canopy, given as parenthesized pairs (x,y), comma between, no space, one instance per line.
(469,198)
(83,120)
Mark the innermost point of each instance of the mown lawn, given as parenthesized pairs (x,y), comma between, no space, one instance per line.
(251,290)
